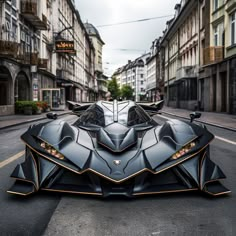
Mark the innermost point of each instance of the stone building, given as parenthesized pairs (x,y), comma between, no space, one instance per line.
(73,70)
(24,66)
(31,67)
(134,74)
(181,46)
(97,84)
(155,70)
(217,77)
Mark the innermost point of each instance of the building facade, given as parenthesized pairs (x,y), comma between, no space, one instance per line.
(217,86)
(155,69)
(31,68)
(134,74)
(181,48)
(198,51)
(74,71)
(98,83)
(24,65)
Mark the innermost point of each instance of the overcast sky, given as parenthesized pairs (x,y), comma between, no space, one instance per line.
(127,41)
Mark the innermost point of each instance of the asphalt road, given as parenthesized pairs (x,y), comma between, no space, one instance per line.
(187,214)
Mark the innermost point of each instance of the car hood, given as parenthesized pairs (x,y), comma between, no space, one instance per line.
(118,155)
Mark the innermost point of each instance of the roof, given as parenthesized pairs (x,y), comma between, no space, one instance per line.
(92,31)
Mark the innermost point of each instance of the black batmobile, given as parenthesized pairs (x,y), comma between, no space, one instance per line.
(116,148)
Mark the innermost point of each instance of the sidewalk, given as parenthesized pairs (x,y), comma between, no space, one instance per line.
(222,120)
(14,120)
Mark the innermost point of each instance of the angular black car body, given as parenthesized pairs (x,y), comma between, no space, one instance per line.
(116,148)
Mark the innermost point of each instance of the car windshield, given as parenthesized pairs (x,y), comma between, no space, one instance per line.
(136,116)
(129,116)
(93,115)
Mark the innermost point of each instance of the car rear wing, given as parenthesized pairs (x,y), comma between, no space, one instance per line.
(78,108)
(152,108)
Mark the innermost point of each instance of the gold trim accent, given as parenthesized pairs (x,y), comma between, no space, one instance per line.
(218,194)
(68,191)
(26,180)
(215,194)
(168,191)
(200,177)
(124,179)
(17,193)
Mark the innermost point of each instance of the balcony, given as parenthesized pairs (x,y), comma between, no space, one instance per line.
(230,5)
(151,85)
(218,13)
(28,58)
(102,88)
(63,74)
(187,72)
(42,63)
(8,48)
(213,55)
(29,10)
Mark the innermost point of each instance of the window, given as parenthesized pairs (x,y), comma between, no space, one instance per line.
(216,36)
(8,7)
(202,16)
(141,75)
(232,28)
(14,29)
(13,2)
(215,4)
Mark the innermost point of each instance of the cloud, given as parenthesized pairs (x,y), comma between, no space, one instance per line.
(136,37)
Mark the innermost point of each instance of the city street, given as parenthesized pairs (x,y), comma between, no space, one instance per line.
(190,213)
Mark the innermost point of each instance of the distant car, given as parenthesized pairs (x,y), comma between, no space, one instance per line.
(116,148)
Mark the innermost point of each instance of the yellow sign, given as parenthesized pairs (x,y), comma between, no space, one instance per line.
(65,46)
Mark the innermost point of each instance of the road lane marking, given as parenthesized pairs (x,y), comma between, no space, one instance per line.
(217,137)
(225,140)
(11,159)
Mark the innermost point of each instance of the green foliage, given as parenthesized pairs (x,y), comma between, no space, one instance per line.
(21,105)
(126,92)
(113,88)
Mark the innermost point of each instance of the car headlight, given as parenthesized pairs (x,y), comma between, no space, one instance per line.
(183,150)
(51,150)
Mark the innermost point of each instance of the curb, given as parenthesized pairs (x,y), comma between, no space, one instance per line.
(203,122)
(31,120)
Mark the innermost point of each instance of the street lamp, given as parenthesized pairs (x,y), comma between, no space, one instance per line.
(58,34)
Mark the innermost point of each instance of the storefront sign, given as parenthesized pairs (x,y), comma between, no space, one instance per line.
(67,84)
(65,47)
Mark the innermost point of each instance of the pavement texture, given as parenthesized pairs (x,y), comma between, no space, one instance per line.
(222,120)
(14,120)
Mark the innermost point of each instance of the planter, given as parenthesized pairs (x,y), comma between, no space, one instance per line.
(28,111)
(38,111)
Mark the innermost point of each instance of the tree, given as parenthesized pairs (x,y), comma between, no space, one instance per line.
(127,92)
(113,88)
